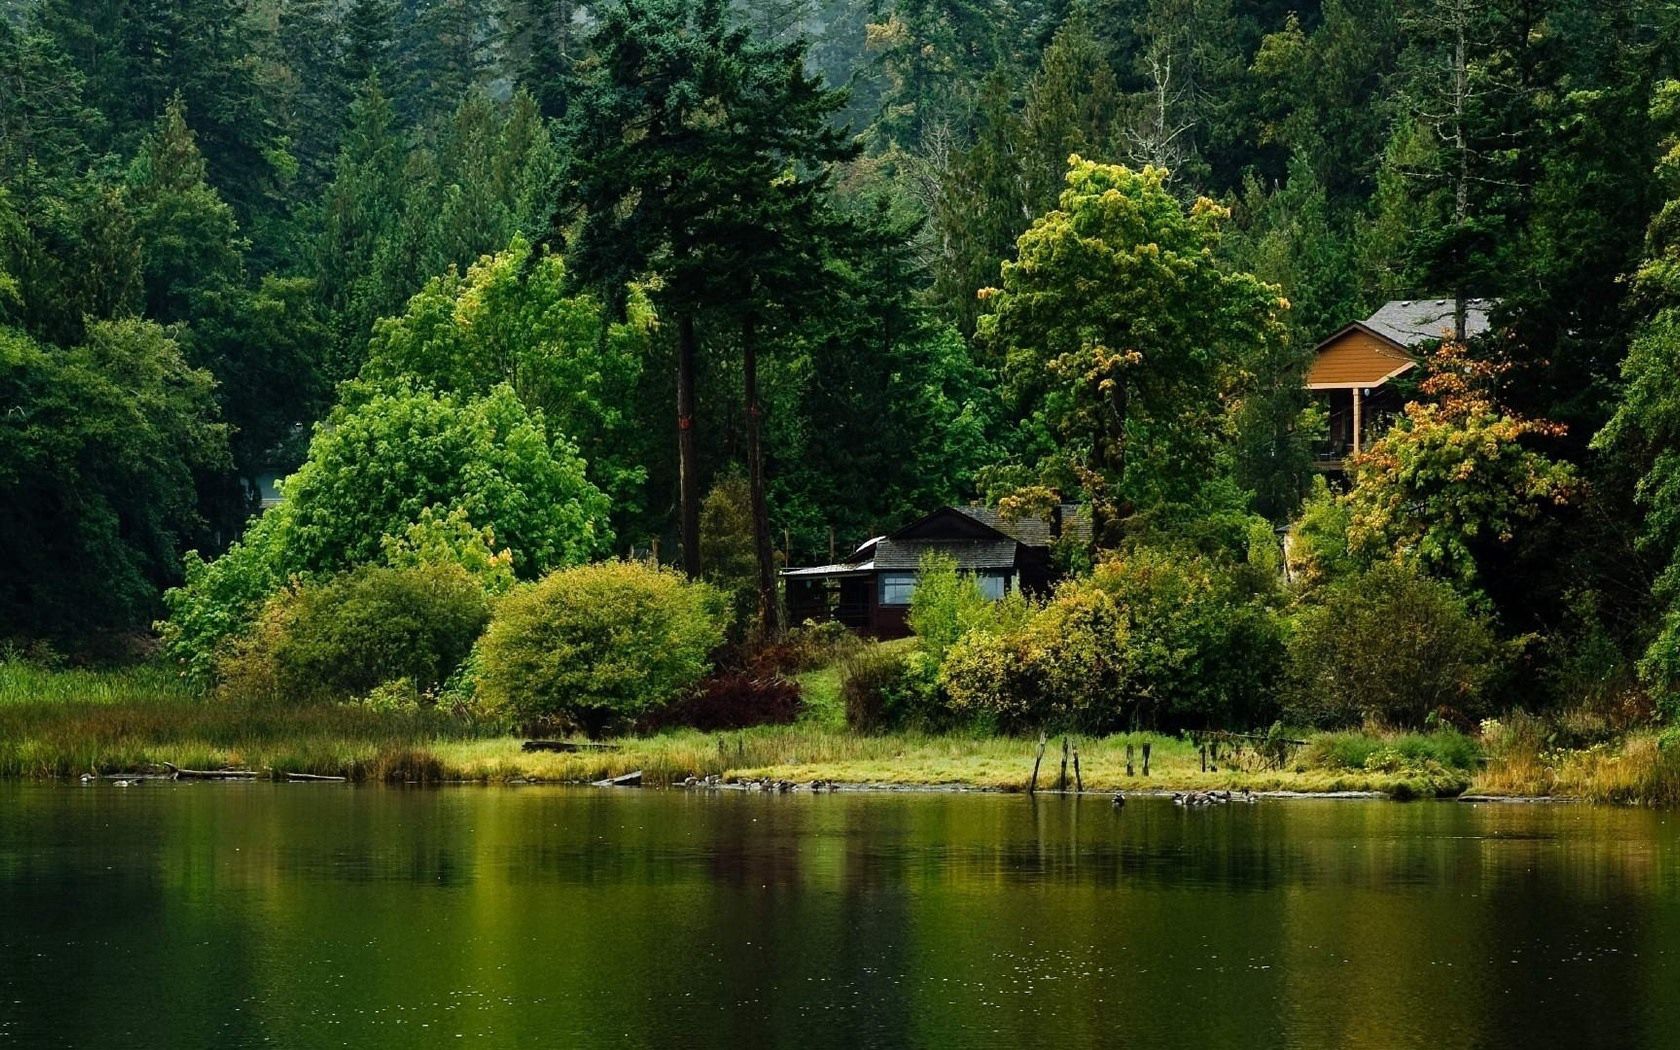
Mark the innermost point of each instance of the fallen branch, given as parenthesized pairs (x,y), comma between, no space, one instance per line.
(627,780)
(312,776)
(565,745)
(177,773)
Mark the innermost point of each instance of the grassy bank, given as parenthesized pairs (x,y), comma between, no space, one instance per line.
(64,723)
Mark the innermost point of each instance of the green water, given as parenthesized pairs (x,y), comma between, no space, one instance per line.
(232,915)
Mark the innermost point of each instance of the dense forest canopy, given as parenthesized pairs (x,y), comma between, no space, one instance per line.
(828,245)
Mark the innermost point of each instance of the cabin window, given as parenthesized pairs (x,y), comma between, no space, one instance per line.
(897,587)
(993,585)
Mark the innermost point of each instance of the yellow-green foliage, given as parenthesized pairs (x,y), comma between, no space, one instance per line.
(1067,665)
(598,642)
(1150,635)
(358,631)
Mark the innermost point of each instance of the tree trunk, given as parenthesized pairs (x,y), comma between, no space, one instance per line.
(1461,192)
(688,458)
(769,619)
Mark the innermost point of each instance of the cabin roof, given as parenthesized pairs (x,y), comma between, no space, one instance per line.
(1410,323)
(1371,352)
(897,555)
(977,538)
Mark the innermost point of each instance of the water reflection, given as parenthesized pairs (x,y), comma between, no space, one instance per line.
(243,915)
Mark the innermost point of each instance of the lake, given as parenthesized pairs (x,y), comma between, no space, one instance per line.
(235,915)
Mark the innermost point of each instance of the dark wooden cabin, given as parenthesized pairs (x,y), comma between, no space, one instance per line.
(870,590)
(1354,370)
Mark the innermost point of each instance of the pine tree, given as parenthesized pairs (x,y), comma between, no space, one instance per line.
(674,82)
(189,240)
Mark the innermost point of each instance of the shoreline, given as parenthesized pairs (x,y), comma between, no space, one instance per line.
(746,787)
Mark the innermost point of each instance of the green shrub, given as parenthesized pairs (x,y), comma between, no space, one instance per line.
(1388,646)
(1206,644)
(1149,638)
(1067,666)
(358,631)
(887,688)
(727,550)
(598,644)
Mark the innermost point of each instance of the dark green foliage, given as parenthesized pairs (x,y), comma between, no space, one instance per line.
(100,446)
(352,633)
(1390,647)
(886,688)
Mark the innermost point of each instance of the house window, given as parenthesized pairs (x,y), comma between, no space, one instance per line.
(992,585)
(897,587)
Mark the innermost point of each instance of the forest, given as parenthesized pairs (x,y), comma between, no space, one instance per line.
(509,298)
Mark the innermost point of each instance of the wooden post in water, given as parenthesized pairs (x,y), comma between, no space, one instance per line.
(1032,785)
(1146,758)
(1078,781)
(1129,761)
(1061,781)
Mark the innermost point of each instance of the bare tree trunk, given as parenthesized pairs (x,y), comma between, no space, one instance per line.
(769,618)
(688,458)
(1461,192)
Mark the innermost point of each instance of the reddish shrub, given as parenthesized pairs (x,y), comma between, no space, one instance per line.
(732,700)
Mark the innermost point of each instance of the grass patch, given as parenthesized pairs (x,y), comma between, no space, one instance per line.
(63,723)
(1642,768)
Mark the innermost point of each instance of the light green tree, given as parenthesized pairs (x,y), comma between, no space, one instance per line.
(1123,340)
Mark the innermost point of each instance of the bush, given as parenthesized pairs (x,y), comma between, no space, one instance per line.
(358,632)
(1148,638)
(726,547)
(1206,645)
(1353,751)
(599,643)
(732,700)
(1068,665)
(947,604)
(1388,646)
(886,688)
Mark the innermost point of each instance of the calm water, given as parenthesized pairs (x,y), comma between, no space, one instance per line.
(234,915)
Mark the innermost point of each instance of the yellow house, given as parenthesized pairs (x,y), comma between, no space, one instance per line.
(1355,369)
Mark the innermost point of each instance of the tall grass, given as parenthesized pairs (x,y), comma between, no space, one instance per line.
(1636,769)
(62,723)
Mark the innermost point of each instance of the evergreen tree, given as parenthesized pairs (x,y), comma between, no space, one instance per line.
(689,147)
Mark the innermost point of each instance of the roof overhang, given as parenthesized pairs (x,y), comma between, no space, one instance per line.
(1398,372)
(826,572)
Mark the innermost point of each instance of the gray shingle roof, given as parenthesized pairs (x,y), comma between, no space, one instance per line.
(894,555)
(1413,322)
(1034,531)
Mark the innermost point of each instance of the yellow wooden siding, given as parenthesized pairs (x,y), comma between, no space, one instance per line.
(1356,358)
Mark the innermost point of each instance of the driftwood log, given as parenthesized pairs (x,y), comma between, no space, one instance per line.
(312,777)
(572,745)
(177,773)
(626,780)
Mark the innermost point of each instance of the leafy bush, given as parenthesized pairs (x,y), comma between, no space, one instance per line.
(947,604)
(360,631)
(599,643)
(884,687)
(804,648)
(726,547)
(1205,643)
(1151,637)
(732,700)
(1068,665)
(1388,646)
(404,477)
